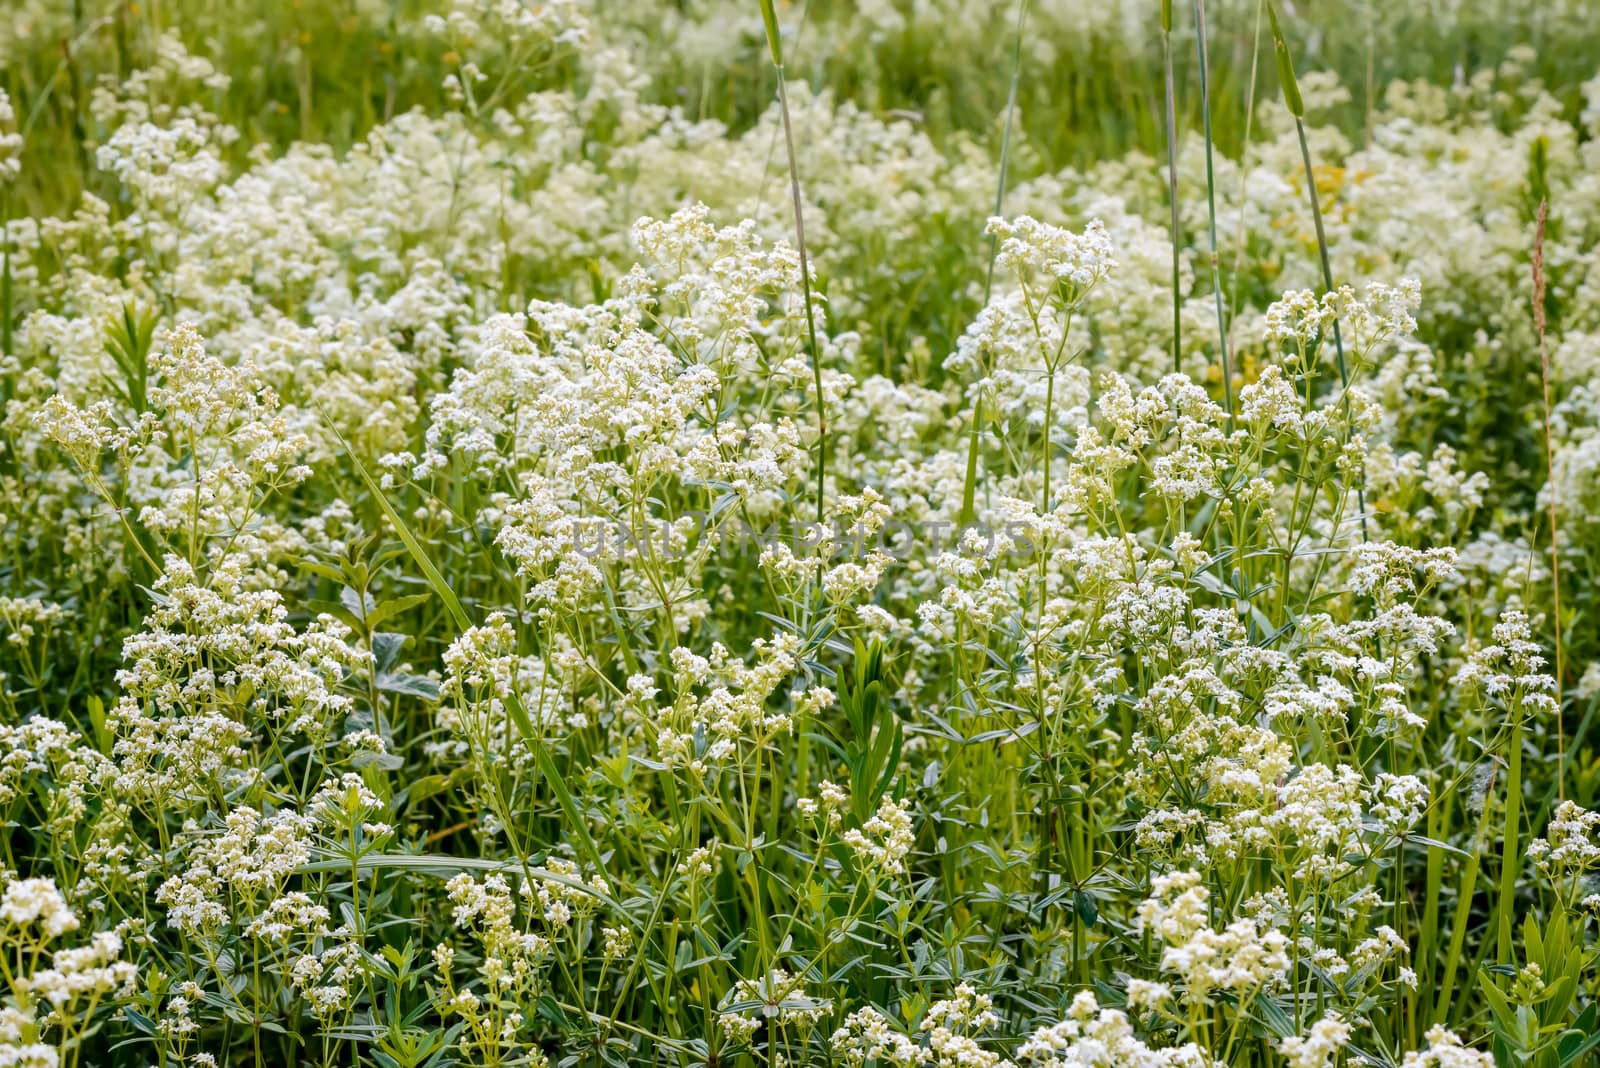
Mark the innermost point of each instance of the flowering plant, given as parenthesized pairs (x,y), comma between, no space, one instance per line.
(505,564)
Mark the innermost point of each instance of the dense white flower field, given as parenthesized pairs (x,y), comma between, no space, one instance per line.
(896,533)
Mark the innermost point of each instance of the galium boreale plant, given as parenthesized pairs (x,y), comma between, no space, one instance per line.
(467,597)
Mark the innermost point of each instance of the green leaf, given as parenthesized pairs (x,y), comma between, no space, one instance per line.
(1085,906)
(552,775)
(427,786)
(103,738)
(394,606)
(357,604)
(332,574)
(769,19)
(337,611)
(1581,1038)
(1574,1045)
(381,761)
(1291,88)
(1434,843)
(1274,1017)
(550,1009)
(436,580)
(410,685)
(1505,1015)
(386,647)
(140,1021)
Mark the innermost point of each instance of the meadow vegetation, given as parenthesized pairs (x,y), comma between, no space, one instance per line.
(893,533)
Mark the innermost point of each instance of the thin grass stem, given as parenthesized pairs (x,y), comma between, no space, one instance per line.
(969,486)
(769,18)
(1172,182)
(1296,106)
(1550,470)
(1211,204)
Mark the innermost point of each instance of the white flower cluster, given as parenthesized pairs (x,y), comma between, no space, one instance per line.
(884,840)
(249,859)
(531,301)
(777,998)
(1446,1050)
(1038,252)
(1089,1037)
(1239,959)
(1571,842)
(51,990)
(1320,1047)
(1096,1037)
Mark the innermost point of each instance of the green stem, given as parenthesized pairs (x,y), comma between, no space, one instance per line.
(1172,182)
(1463,915)
(1327,282)
(1510,866)
(969,488)
(1296,105)
(1211,204)
(774,44)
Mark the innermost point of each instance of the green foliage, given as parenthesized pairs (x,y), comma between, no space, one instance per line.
(502,564)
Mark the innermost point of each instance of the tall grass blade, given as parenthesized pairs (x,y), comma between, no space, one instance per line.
(769,19)
(1244,160)
(1550,471)
(1211,203)
(436,580)
(1465,890)
(1296,106)
(1172,181)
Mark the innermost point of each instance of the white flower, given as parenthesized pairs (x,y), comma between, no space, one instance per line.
(1445,1050)
(1038,252)
(36,903)
(885,839)
(1320,1047)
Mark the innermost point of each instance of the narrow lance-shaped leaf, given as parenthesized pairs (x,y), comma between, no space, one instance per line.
(1280,48)
(769,19)
(519,714)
